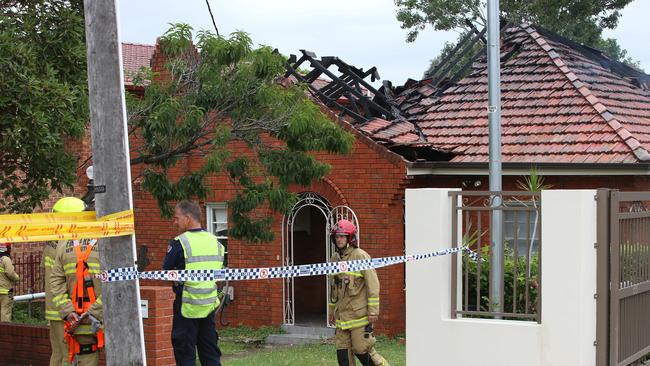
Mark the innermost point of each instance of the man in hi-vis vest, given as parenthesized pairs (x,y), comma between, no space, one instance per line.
(193,326)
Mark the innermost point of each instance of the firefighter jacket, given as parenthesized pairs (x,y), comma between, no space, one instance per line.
(47,262)
(353,295)
(8,275)
(63,279)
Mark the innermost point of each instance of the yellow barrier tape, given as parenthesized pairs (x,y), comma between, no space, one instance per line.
(64,226)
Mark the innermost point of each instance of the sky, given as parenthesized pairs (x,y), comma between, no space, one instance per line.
(363,33)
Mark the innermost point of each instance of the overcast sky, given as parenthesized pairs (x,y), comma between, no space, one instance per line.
(363,33)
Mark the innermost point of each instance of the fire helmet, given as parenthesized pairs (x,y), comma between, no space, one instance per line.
(5,247)
(345,227)
(69,204)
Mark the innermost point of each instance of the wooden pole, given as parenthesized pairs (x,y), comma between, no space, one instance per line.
(112,178)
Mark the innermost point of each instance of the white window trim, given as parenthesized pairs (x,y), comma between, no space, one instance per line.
(210,220)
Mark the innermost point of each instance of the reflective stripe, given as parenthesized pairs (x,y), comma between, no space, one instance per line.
(199,291)
(52,315)
(355,274)
(373,301)
(4,291)
(186,245)
(84,329)
(2,269)
(352,323)
(99,301)
(207,301)
(204,258)
(61,299)
(49,262)
(332,304)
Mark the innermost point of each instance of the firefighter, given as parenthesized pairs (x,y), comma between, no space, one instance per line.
(193,324)
(59,355)
(354,302)
(76,294)
(8,277)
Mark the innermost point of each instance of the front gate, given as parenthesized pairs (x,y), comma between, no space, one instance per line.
(623,326)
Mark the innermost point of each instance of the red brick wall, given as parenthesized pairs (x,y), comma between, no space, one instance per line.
(23,344)
(370,180)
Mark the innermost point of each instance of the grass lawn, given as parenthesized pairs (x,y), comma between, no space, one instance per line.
(243,346)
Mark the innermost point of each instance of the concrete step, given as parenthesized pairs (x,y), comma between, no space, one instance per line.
(293,339)
(323,332)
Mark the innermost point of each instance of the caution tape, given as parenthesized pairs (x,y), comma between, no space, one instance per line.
(64,226)
(239,274)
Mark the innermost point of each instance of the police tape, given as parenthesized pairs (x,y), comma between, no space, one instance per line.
(64,226)
(239,274)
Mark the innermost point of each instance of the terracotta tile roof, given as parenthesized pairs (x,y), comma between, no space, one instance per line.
(561,103)
(135,56)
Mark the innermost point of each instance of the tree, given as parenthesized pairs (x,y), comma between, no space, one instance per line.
(221,90)
(582,21)
(43,98)
(217,92)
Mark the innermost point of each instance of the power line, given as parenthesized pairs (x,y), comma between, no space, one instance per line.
(212,17)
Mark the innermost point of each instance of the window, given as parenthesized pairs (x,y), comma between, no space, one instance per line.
(218,224)
(525,224)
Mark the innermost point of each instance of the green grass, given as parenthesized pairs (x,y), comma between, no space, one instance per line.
(236,353)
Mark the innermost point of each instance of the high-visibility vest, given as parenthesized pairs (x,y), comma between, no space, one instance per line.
(82,303)
(202,251)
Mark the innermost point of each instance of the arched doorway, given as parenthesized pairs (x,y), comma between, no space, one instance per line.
(304,237)
(305,240)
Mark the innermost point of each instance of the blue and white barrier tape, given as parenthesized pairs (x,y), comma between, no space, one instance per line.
(238,274)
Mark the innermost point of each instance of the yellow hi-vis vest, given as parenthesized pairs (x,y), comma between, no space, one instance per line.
(202,251)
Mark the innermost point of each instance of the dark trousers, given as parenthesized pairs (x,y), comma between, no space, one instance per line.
(188,335)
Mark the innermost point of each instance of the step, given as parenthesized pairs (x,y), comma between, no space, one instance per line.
(323,332)
(293,339)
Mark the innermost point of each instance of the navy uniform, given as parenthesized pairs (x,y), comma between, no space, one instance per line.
(193,326)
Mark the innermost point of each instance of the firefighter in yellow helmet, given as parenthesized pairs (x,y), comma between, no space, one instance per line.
(75,296)
(354,302)
(59,355)
(8,277)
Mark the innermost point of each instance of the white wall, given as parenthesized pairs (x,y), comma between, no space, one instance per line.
(568,327)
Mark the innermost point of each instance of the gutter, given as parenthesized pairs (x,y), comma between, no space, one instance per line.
(517,168)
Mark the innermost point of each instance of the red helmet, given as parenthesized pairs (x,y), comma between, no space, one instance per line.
(345,227)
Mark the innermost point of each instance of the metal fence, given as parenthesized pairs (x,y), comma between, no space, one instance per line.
(521,275)
(623,326)
(28,267)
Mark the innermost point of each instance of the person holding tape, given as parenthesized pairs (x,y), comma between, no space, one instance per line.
(193,324)
(77,294)
(8,277)
(354,302)
(59,356)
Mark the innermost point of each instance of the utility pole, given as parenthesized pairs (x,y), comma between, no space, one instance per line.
(112,178)
(494,122)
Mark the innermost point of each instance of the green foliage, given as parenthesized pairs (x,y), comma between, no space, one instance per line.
(21,313)
(223,90)
(534,182)
(43,98)
(582,21)
(515,274)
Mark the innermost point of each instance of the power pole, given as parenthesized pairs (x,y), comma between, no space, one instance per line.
(112,178)
(494,122)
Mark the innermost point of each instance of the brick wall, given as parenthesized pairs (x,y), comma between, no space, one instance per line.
(23,344)
(370,180)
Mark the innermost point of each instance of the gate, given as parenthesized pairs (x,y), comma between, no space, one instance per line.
(623,294)
(332,215)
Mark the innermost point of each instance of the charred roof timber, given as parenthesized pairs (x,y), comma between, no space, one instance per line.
(347,90)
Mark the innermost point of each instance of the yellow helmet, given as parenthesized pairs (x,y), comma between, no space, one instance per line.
(69,204)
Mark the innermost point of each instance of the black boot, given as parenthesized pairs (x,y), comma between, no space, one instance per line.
(342,357)
(365,359)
